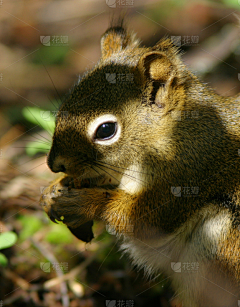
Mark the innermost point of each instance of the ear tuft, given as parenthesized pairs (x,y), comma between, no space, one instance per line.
(115,40)
(161,71)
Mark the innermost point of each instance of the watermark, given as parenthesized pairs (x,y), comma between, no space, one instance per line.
(96,154)
(148,118)
(54,40)
(115,78)
(1,302)
(190,191)
(184,115)
(119,303)
(1,2)
(176,191)
(179,267)
(1,153)
(185,40)
(42,189)
(48,267)
(1,77)
(238,303)
(47,115)
(119,3)
(120,229)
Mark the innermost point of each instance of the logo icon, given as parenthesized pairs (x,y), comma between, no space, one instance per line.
(176,191)
(176,40)
(176,267)
(45,40)
(176,115)
(42,190)
(111,78)
(110,229)
(111,3)
(45,266)
(46,115)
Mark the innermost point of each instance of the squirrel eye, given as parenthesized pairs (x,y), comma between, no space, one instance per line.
(106,131)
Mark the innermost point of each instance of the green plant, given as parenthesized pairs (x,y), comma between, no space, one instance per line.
(7,239)
(45,120)
(30,225)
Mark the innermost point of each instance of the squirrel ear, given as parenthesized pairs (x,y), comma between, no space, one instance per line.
(155,66)
(159,72)
(116,39)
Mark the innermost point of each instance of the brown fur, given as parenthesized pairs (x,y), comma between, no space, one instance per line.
(175,132)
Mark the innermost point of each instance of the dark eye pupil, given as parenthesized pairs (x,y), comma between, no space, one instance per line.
(106,131)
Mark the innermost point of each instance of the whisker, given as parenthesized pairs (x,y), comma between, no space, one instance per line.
(42,142)
(95,170)
(34,168)
(35,180)
(124,168)
(51,80)
(32,147)
(31,160)
(100,175)
(132,148)
(56,107)
(108,173)
(50,131)
(28,127)
(147,174)
(38,122)
(129,176)
(47,141)
(111,176)
(76,178)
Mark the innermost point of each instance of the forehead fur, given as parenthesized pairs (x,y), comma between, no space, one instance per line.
(119,74)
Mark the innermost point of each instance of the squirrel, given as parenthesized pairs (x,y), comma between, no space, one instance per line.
(153,152)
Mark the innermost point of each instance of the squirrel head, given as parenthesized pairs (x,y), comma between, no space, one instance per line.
(124,114)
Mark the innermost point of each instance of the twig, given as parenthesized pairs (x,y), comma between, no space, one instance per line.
(51,258)
(23,284)
(78,269)
(14,297)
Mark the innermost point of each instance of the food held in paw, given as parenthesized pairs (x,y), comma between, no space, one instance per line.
(83,232)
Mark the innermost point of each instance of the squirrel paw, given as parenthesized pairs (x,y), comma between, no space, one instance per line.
(56,199)
(62,203)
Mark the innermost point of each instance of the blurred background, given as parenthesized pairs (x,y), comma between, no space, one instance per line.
(44,47)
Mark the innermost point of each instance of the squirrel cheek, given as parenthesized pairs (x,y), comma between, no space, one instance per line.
(133,179)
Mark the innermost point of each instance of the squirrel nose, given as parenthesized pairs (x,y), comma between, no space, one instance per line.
(59,168)
(56,164)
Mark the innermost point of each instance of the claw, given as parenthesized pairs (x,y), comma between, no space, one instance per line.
(53,216)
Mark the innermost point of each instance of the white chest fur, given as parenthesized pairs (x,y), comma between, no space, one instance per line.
(186,256)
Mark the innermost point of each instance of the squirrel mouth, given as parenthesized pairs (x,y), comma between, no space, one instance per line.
(89,183)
